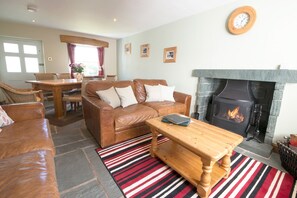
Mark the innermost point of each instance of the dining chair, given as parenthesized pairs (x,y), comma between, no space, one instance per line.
(67,76)
(48,95)
(63,75)
(74,99)
(44,76)
(111,77)
(15,95)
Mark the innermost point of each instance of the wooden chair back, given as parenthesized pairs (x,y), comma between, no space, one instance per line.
(111,77)
(14,95)
(48,95)
(63,75)
(44,76)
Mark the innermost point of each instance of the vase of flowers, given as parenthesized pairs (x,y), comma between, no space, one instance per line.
(77,70)
(78,76)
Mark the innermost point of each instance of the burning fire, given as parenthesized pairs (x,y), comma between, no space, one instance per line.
(235,115)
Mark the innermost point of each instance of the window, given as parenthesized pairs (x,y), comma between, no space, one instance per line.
(11,47)
(13,64)
(31,65)
(18,53)
(87,55)
(30,49)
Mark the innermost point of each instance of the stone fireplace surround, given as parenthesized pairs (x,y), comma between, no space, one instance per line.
(209,80)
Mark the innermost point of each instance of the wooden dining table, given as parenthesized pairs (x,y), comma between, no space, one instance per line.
(57,87)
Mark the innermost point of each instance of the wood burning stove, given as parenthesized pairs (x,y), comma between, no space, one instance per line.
(232,109)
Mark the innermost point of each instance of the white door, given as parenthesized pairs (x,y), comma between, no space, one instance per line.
(19,60)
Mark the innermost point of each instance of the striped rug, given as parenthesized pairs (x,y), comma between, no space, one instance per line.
(139,175)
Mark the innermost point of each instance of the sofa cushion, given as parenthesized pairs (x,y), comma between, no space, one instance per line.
(140,92)
(95,85)
(126,95)
(133,116)
(153,93)
(159,92)
(167,107)
(167,93)
(25,136)
(28,175)
(110,96)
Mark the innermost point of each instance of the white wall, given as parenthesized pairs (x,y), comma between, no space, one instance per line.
(203,42)
(54,48)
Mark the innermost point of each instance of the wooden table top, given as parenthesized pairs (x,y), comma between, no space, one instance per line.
(203,139)
(57,82)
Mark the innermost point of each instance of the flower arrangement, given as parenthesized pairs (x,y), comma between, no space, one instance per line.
(77,67)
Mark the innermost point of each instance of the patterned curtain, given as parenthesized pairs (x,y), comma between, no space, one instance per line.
(101,61)
(71,53)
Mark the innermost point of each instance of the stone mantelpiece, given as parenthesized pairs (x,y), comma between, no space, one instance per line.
(280,75)
(210,80)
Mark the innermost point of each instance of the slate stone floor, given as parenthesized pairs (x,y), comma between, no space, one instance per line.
(79,170)
(81,173)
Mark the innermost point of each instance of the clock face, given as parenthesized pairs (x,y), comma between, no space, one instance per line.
(241,20)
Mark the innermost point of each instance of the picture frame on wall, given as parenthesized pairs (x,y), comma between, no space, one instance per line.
(145,50)
(128,48)
(169,55)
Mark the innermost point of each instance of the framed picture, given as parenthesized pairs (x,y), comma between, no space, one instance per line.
(169,55)
(145,50)
(128,48)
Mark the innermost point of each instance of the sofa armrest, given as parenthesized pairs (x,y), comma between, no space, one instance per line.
(99,119)
(99,104)
(183,98)
(24,111)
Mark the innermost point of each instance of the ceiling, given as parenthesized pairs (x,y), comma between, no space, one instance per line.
(96,17)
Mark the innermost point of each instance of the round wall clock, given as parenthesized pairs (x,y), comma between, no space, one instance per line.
(241,20)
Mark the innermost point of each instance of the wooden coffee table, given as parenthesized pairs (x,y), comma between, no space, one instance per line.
(194,151)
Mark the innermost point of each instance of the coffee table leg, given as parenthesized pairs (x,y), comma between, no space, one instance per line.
(204,187)
(226,161)
(154,142)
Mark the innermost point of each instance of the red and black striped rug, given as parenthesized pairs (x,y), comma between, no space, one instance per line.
(139,175)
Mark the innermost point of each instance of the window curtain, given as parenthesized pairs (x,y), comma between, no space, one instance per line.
(101,61)
(71,53)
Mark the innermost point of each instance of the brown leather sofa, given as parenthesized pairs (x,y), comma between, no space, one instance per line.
(27,167)
(110,126)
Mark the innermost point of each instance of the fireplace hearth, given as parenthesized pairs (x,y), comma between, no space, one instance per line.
(232,108)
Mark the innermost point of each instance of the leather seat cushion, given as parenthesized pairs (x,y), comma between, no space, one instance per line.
(28,175)
(167,107)
(132,116)
(25,136)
